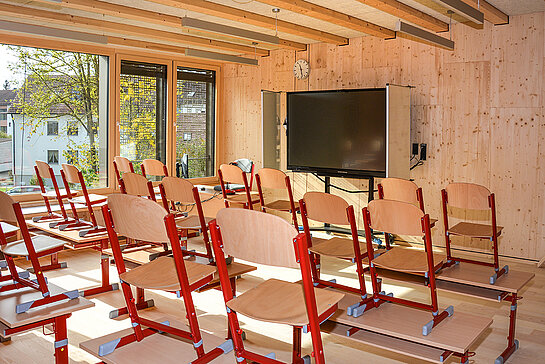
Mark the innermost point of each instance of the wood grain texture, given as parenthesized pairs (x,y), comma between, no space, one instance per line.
(400,190)
(281,302)
(153,167)
(480,109)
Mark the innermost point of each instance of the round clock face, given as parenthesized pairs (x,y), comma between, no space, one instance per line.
(301,69)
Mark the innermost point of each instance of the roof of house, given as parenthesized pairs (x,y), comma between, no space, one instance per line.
(6,96)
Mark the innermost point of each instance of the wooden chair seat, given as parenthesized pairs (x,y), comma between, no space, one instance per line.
(8,228)
(241,198)
(473,230)
(93,198)
(281,302)
(41,243)
(407,260)
(53,194)
(282,205)
(335,247)
(191,222)
(161,274)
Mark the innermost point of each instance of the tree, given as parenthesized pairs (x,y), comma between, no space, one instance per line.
(59,84)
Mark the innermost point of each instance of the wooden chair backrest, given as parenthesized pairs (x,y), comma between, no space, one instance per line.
(138,218)
(178,190)
(135,184)
(6,208)
(43,168)
(395,217)
(153,167)
(231,174)
(468,196)
(257,237)
(326,208)
(272,178)
(123,164)
(400,190)
(71,173)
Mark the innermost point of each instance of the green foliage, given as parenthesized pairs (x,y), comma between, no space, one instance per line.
(33,181)
(196,150)
(59,84)
(4,135)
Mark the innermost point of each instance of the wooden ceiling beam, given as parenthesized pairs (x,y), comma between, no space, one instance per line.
(120,28)
(491,13)
(246,17)
(127,12)
(332,16)
(408,13)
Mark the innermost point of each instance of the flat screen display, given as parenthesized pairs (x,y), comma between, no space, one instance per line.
(337,132)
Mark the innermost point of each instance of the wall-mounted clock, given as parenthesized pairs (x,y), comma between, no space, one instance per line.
(301,69)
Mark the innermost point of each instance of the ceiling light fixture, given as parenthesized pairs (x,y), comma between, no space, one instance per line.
(416,32)
(463,9)
(225,29)
(197,53)
(52,32)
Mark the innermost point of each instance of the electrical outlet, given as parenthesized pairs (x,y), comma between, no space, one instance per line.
(423,151)
(415,149)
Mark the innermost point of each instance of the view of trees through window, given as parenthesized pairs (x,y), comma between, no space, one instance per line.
(195,121)
(55,104)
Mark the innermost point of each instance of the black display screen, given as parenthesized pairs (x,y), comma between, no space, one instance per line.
(337,132)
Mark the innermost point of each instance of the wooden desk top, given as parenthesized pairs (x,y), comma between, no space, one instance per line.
(71,235)
(456,333)
(9,299)
(478,275)
(157,348)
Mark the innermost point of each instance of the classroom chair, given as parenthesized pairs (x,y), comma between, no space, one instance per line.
(275,179)
(270,240)
(153,167)
(247,166)
(30,247)
(141,219)
(136,185)
(469,196)
(179,197)
(327,208)
(399,189)
(71,175)
(122,165)
(402,218)
(230,174)
(44,171)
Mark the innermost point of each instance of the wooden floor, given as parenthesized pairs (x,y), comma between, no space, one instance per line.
(83,271)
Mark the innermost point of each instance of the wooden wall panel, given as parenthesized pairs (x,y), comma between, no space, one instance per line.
(480,109)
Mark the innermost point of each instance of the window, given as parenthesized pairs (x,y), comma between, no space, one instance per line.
(196,120)
(52,127)
(143,95)
(53,157)
(71,156)
(3,116)
(59,110)
(72,128)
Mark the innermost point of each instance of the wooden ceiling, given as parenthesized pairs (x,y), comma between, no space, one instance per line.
(156,24)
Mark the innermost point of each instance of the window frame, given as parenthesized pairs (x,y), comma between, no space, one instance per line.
(52,122)
(115,54)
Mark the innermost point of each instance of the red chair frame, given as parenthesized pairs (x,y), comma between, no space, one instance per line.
(494,239)
(153,326)
(51,216)
(224,190)
(302,257)
(293,209)
(118,172)
(379,297)
(21,280)
(184,232)
(89,227)
(358,255)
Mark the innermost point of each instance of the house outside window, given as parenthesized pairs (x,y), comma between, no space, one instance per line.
(52,127)
(53,157)
(72,128)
